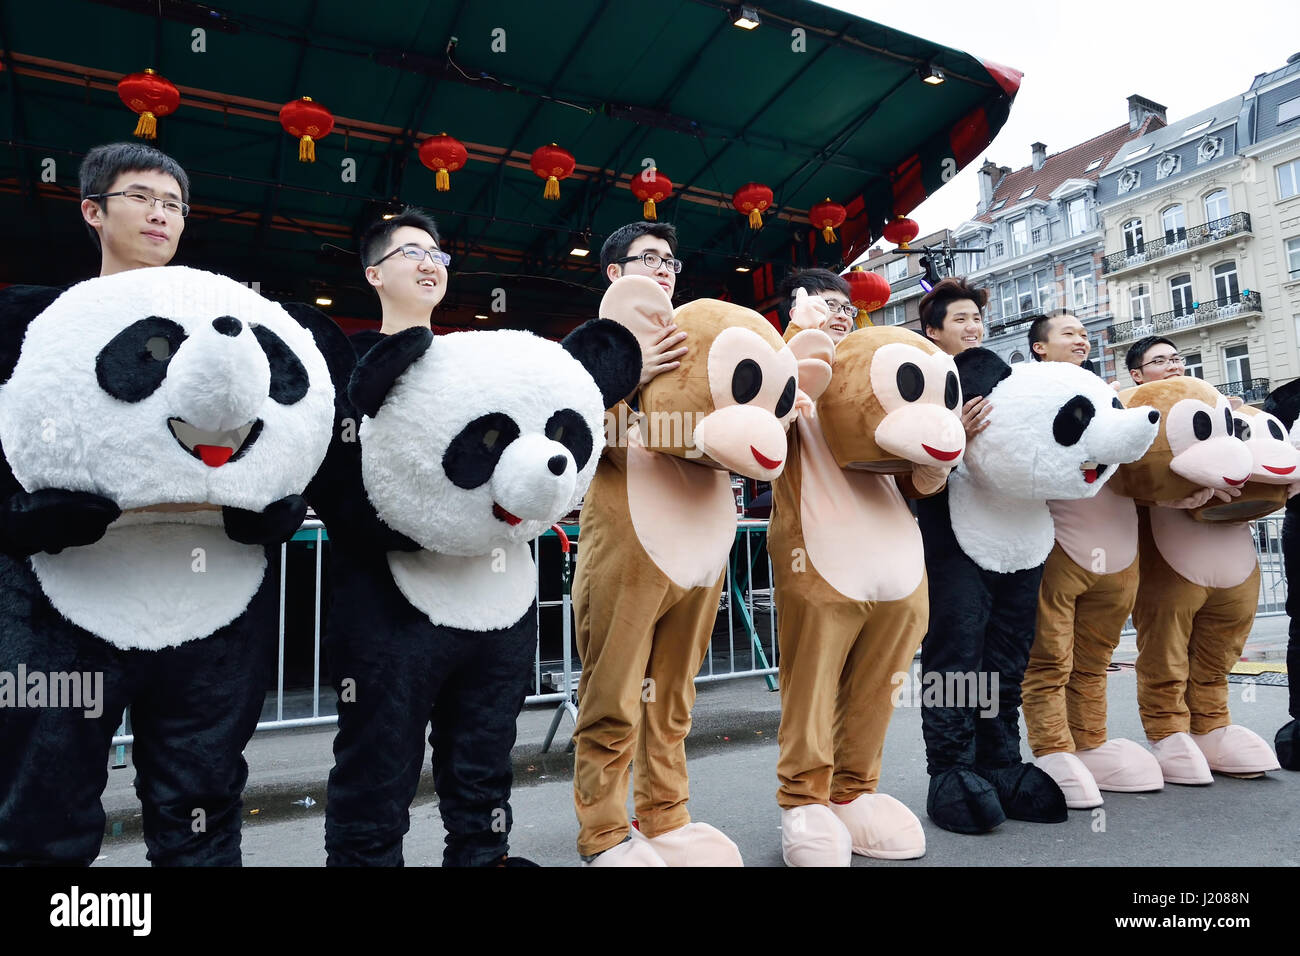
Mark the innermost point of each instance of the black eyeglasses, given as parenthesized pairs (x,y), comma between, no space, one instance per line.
(653,260)
(1163,361)
(416,254)
(173,206)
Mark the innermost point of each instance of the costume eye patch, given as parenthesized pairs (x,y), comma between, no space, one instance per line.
(1275,430)
(746,381)
(289,379)
(472,455)
(1241,429)
(951,390)
(1116,403)
(911,381)
(134,362)
(1202,426)
(786,401)
(570,429)
(1227,417)
(1072,420)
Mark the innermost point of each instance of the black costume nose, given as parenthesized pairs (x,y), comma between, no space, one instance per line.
(1153,416)
(557,464)
(227,325)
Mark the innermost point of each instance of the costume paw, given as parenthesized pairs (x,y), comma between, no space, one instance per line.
(963,802)
(1181,761)
(881,827)
(628,853)
(1122,766)
(696,844)
(1073,777)
(1287,744)
(1027,793)
(814,836)
(1236,751)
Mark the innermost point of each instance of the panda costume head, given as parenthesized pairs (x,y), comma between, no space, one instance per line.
(477,440)
(1056,432)
(167,386)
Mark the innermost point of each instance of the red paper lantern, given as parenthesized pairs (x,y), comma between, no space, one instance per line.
(552,163)
(651,186)
(751,200)
(309,121)
(444,155)
(827,216)
(901,231)
(151,96)
(867,290)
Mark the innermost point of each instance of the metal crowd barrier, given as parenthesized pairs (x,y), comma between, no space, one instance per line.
(744,641)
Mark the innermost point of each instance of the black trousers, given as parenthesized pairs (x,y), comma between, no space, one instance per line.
(193,709)
(980,634)
(397,674)
(1291,560)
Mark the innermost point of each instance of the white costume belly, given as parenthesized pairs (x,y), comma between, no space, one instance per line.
(481,593)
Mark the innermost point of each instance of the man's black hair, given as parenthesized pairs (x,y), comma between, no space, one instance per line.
(620,239)
(103,164)
(375,240)
(1038,328)
(934,304)
(1136,351)
(812,281)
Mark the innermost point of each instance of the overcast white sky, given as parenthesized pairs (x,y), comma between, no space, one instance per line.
(1082,60)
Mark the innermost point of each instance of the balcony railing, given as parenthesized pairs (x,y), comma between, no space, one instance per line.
(1176,241)
(1251,390)
(1165,323)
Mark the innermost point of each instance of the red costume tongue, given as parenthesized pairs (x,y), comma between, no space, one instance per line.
(1090,475)
(763,459)
(214,456)
(941,455)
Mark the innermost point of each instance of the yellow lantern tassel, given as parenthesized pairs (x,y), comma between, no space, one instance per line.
(648,210)
(828,234)
(306,150)
(146,127)
(864,320)
(442,180)
(755,219)
(552,190)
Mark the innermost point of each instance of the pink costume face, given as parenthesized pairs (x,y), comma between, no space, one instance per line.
(920,394)
(1275,460)
(1205,448)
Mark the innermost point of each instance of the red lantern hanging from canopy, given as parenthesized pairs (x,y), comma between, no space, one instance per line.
(151,96)
(552,163)
(827,216)
(867,290)
(651,186)
(752,199)
(901,231)
(308,121)
(444,155)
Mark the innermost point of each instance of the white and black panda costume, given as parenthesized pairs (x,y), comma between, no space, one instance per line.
(472,445)
(164,386)
(1055,433)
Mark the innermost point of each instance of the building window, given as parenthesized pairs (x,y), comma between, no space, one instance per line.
(1216,206)
(1293,257)
(1139,302)
(1076,213)
(1019,237)
(1081,287)
(1199,127)
(1288,111)
(1236,363)
(1092,165)
(1174,222)
(897,269)
(1025,294)
(1007,295)
(1016,357)
(1046,284)
(1133,244)
(1226,289)
(1288,179)
(895,314)
(1180,290)
(1192,365)
(974,261)
(995,250)
(1028,192)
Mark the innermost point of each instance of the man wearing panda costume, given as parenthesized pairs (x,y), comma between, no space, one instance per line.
(158,426)
(471,446)
(1055,433)
(1284,405)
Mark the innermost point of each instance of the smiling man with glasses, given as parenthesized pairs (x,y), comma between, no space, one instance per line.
(1152,359)
(830,288)
(134,200)
(408,270)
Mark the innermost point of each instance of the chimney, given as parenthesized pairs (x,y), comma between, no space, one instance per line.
(1039,151)
(1139,108)
(989,174)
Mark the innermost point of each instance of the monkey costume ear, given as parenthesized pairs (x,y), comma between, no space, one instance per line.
(610,354)
(979,370)
(379,368)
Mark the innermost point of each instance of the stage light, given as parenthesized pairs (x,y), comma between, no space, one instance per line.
(747,18)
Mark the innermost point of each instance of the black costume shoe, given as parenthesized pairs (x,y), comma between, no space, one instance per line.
(1026,793)
(963,802)
(1287,745)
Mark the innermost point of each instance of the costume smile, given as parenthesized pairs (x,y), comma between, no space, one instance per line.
(214,449)
(763,459)
(1280,471)
(941,455)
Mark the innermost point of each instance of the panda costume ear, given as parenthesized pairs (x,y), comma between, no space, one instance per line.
(610,354)
(1283,403)
(980,370)
(19,304)
(379,368)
